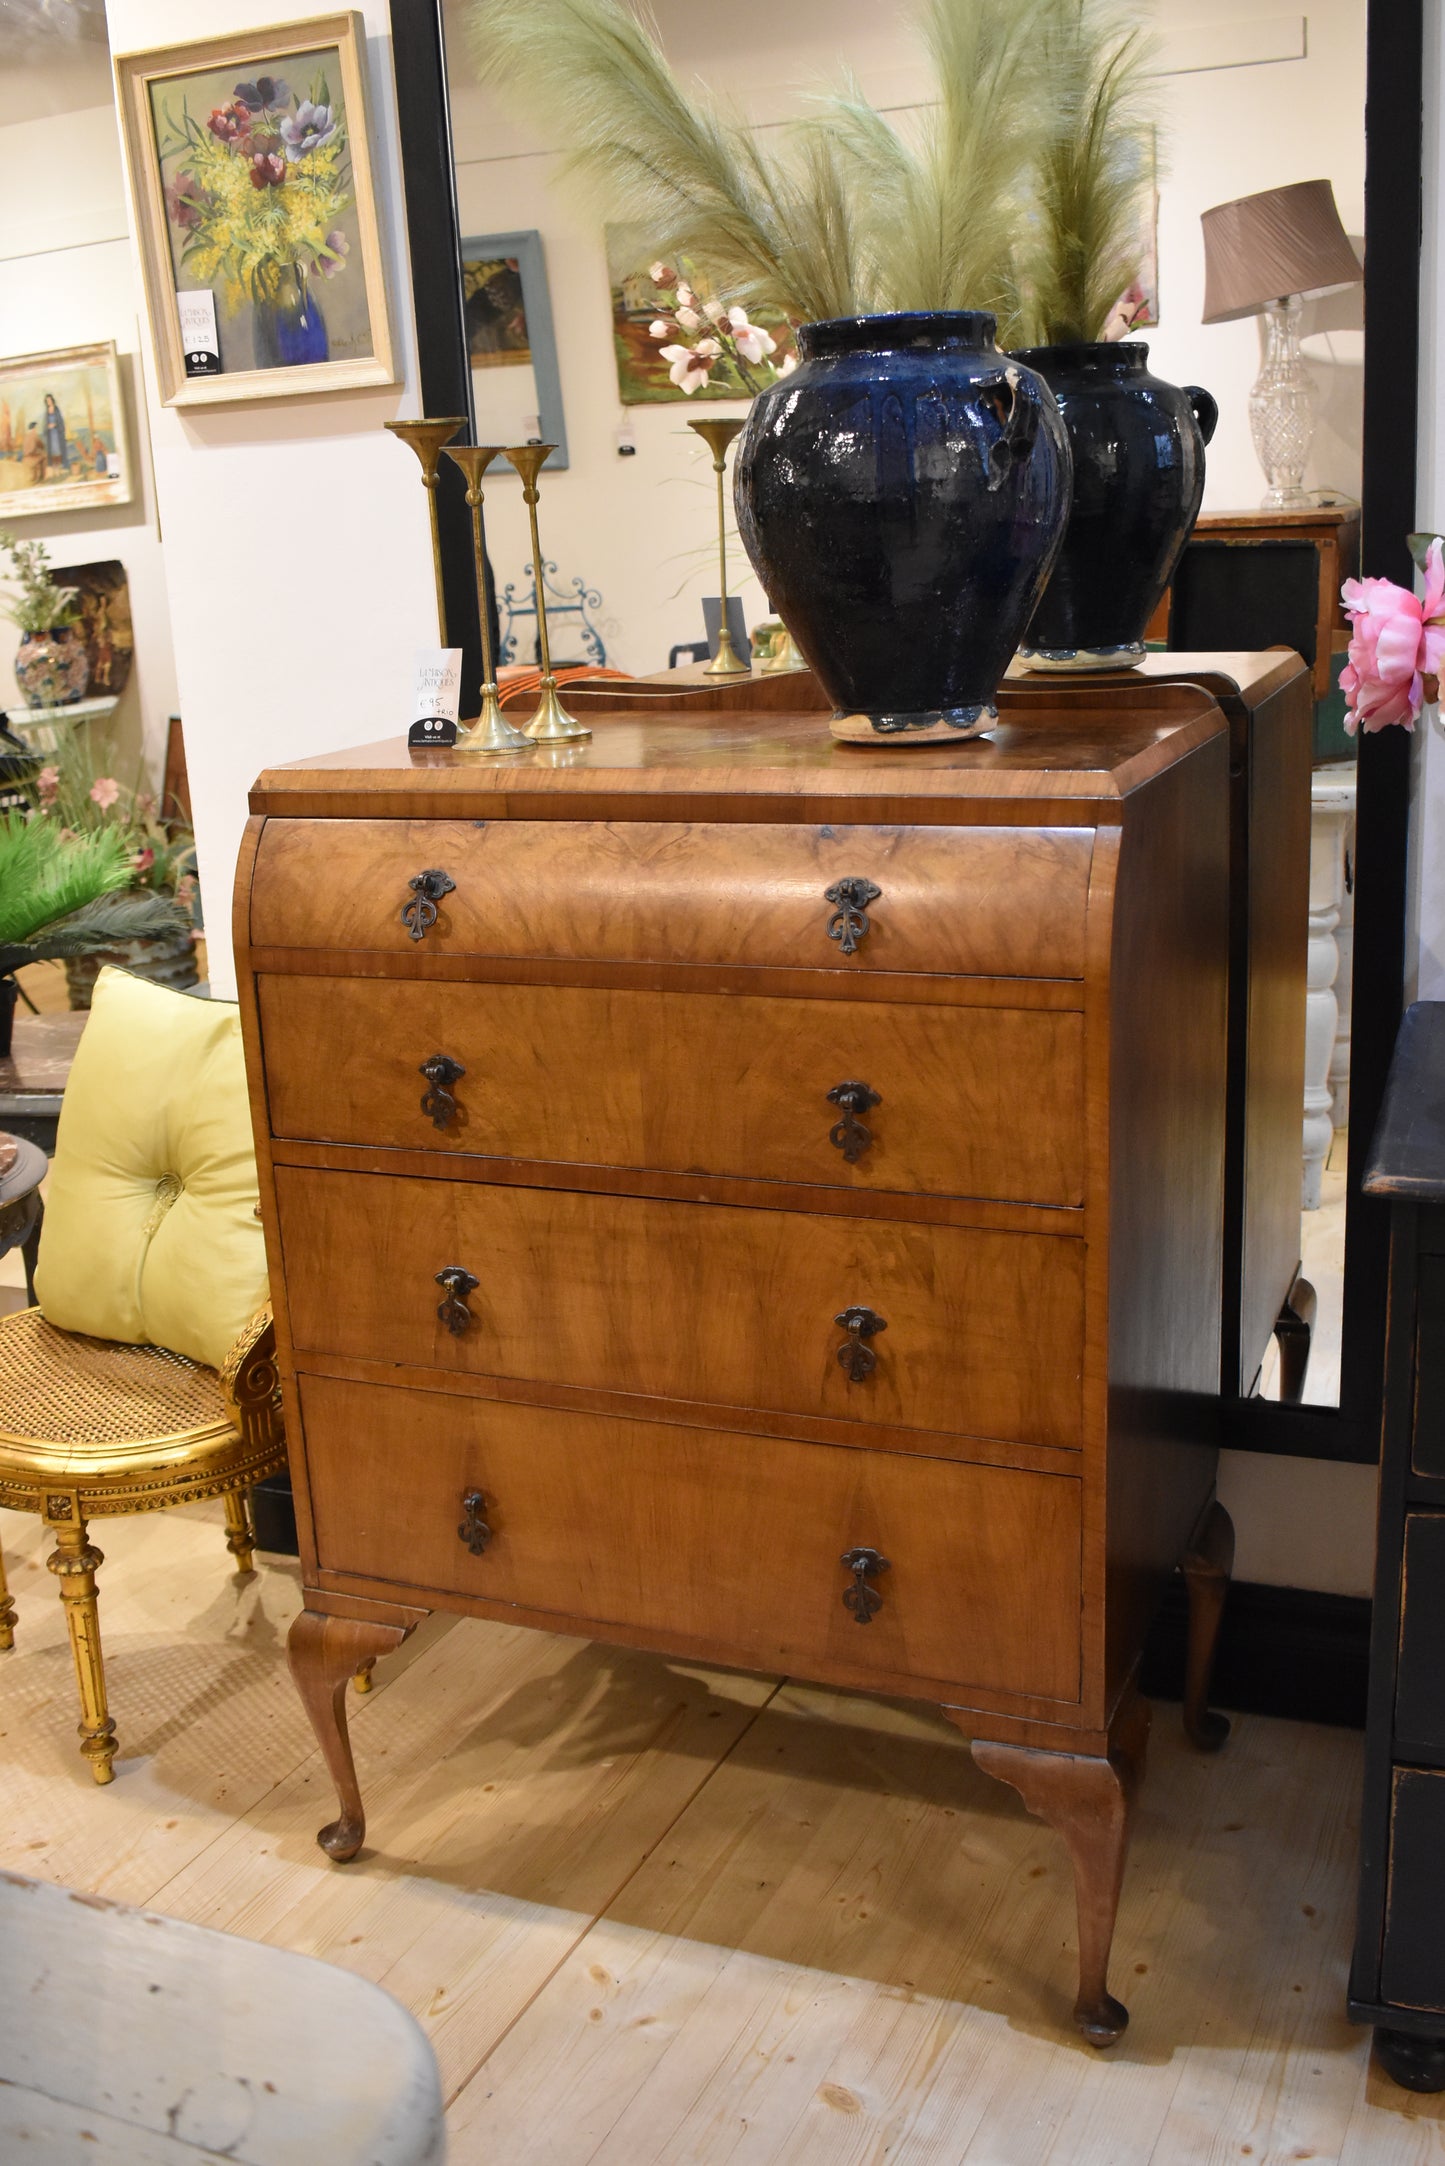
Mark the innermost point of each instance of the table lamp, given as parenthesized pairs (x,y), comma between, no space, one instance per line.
(1263,253)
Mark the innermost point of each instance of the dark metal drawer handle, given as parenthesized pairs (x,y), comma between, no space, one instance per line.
(855,1357)
(427,890)
(849,1135)
(474,1530)
(454,1312)
(850,921)
(438,1104)
(863,1601)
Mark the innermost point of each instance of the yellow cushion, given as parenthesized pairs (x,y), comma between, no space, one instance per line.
(150,1228)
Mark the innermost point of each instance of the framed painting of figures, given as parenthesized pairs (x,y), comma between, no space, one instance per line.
(250,166)
(63,441)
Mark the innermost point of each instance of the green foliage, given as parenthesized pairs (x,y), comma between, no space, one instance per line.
(131,915)
(41,604)
(46,875)
(1081,249)
(1014,193)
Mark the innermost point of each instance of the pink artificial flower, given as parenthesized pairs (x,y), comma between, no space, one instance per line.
(787,365)
(659,273)
(1397,648)
(47,782)
(751,340)
(144,859)
(691,365)
(659,327)
(689,319)
(715,311)
(686,298)
(104,792)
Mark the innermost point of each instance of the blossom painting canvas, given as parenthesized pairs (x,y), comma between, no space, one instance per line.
(252,168)
(63,442)
(675,338)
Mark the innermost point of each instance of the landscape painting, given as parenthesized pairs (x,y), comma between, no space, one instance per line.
(63,440)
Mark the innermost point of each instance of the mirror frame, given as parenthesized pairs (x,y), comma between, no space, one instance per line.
(1393,147)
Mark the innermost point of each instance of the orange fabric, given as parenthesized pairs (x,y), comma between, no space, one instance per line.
(517,680)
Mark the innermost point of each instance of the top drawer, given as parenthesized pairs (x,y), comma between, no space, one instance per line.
(975,901)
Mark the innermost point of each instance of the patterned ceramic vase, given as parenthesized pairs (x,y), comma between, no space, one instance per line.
(1138,454)
(901,495)
(52,668)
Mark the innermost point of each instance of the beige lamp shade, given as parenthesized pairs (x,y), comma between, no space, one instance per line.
(1260,248)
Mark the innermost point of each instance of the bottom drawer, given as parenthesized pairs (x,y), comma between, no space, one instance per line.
(1412,1961)
(704,1536)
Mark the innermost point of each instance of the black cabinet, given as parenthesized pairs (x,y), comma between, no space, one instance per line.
(1397,1981)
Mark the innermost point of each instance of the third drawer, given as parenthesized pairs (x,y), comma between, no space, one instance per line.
(944,1328)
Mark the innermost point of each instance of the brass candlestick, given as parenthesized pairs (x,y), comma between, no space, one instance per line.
(727,662)
(426,439)
(551,724)
(491,732)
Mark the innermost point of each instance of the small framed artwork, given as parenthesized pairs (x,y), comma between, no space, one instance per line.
(250,168)
(63,443)
(516,383)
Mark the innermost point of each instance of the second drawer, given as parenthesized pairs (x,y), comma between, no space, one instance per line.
(950,1328)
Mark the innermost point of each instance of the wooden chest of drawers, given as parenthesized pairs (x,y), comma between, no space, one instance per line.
(758,1199)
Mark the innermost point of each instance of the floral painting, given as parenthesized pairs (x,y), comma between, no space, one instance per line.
(259,236)
(62,432)
(675,338)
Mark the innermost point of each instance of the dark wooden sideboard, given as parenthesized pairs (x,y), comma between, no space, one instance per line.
(760,1199)
(1398,1978)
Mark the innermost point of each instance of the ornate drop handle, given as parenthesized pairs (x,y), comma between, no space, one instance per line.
(849,1135)
(453,1312)
(427,890)
(863,1601)
(855,1357)
(474,1530)
(850,922)
(438,1104)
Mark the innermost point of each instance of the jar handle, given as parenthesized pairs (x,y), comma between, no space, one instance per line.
(1204,408)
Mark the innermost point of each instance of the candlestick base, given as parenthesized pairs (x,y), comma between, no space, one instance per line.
(727,662)
(491,732)
(551,724)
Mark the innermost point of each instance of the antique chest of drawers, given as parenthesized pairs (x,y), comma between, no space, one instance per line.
(760,1199)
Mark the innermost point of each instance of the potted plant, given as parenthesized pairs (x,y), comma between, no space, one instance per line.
(52,667)
(63,894)
(81,798)
(902,492)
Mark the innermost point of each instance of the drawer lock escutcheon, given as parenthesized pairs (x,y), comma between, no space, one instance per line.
(427,890)
(852,1136)
(438,1104)
(856,1357)
(863,1601)
(453,1312)
(474,1530)
(850,921)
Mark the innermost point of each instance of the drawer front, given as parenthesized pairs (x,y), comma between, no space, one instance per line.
(1002,902)
(687,1083)
(701,1535)
(1412,1965)
(981,1332)
(1428,1454)
(1420,1675)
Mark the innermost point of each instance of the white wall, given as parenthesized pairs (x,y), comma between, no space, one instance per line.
(638,528)
(67,277)
(297,550)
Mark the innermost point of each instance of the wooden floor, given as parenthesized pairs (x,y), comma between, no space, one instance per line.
(656,1915)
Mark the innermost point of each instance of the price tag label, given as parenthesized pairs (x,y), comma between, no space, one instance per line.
(200,346)
(436,697)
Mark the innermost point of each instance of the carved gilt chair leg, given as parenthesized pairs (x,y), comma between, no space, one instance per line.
(7,1609)
(325,1653)
(240,1529)
(1206,1566)
(1087,1800)
(75,1564)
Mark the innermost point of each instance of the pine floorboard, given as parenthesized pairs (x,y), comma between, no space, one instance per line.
(653,1914)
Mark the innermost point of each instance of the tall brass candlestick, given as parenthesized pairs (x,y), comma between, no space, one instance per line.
(491,732)
(426,439)
(551,724)
(727,662)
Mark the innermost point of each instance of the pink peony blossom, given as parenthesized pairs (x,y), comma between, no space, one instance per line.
(104,792)
(1397,648)
(47,782)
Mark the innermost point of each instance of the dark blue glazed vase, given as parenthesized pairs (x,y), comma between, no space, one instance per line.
(901,496)
(1138,449)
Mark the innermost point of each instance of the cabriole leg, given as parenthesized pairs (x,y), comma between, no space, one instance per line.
(7,1609)
(325,1653)
(1206,1566)
(240,1529)
(75,1564)
(1087,1800)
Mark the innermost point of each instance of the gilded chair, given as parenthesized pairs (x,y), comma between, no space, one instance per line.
(147,1375)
